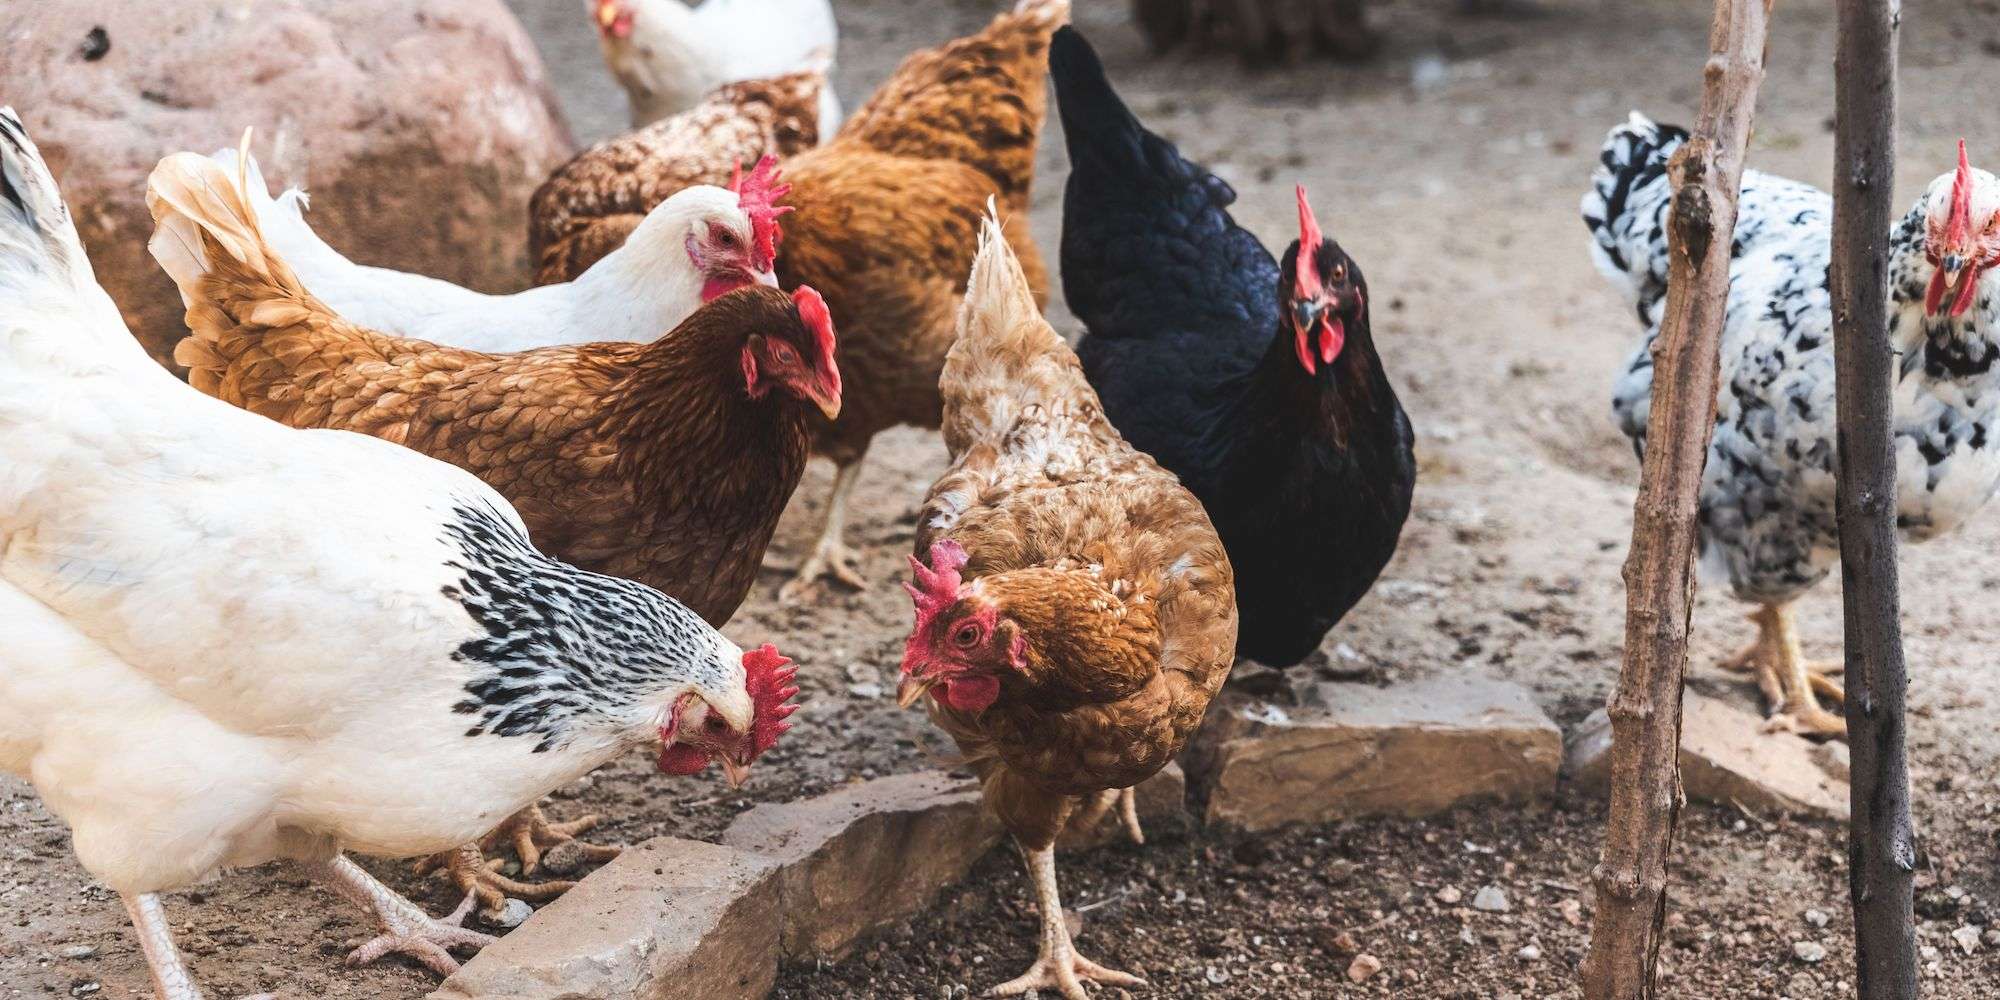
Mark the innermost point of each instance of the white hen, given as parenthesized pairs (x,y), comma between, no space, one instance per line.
(667,55)
(702,242)
(229,642)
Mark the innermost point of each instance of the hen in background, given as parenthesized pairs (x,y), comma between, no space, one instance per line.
(1258,384)
(1076,615)
(230,642)
(667,463)
(690,248)
(591,205)
(666,55)
(888,211)
(1767,495)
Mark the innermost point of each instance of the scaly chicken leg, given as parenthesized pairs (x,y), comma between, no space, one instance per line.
(405,928)
(1057,965)
(171,979)
(1791,684)
(830,554)
(528,832)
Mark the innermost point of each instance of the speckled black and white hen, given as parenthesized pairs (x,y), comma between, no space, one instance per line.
(1767,500)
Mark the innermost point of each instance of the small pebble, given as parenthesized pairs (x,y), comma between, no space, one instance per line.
(1816,918)
(1217,976)
(78,951)
(1363,966)
(511,914)
(84,989)
(1991,937)
(868,691)
(1967,938)
(1809,952)
(1490,899)
(1449,896)
(1529,953)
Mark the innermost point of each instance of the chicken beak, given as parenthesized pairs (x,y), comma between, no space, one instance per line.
(607,13)
(912,689)
(767,277)
(735,772)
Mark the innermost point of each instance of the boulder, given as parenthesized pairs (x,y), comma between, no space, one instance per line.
(1357,750)
(670,919)
(1727,757)
(865,856)
(420,126)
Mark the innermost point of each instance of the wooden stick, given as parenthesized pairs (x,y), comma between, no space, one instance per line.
(1881,851)
(1659,570)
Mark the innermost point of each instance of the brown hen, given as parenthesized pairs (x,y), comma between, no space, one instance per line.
(1077,613)
(667,463)
(887,213)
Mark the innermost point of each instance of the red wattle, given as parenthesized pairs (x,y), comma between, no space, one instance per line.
(1332,339)
(681,759)
(717,286)
(1934,295)
(970,694)
(1968,289)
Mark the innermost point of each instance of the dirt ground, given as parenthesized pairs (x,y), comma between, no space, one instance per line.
(1451,167)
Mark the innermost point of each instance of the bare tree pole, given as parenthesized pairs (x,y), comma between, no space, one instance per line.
(1631,875)
(1881,853)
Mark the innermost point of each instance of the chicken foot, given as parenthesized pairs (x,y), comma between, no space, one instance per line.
(1792,685)
(171,978)
(405,928)
(1127,801)
(830,554)
(528,832)
(1057,965)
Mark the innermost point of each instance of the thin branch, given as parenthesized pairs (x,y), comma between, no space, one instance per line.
(1631,878)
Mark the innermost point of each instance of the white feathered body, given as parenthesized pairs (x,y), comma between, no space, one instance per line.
(676,54)
(227,641)
(1768,493)
(636,293)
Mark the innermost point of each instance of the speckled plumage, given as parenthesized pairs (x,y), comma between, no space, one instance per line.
(1110,566)
(1767,500)
(590,204)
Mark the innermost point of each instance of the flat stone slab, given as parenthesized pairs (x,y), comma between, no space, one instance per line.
(1727,757)
(669,919)
(865,856)
(1357,750)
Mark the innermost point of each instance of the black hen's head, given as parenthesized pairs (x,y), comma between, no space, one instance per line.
(1321,294)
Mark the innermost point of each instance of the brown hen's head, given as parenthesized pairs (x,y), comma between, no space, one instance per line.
(1961,235)
(1322,291)
(698,736)
(799,361)
(1060,632)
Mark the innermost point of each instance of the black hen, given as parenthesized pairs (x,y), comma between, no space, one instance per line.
(1257,384)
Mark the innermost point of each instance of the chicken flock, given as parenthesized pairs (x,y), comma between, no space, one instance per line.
(532,512)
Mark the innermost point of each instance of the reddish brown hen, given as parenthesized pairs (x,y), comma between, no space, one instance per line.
(667,463)
(887,212)
(1077,613)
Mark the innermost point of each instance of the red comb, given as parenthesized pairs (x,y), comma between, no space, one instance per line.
(1960,225)
(1307,266)
(768,675)
(934,591)
(812,312)
(757,195)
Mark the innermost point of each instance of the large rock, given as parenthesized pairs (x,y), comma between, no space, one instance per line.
(669,919)
(866,856)
(420,126)
(1357,750)
(1727,757)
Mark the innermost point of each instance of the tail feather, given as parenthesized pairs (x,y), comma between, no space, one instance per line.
(1627,201)
(1006,356)
(1101,133)
(37,236)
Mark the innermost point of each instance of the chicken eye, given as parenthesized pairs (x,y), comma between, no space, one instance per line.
(967,635)
(783,351)
(725,238)
(1340,272)
(714,724)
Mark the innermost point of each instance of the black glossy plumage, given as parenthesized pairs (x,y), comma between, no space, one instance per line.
(1307,477)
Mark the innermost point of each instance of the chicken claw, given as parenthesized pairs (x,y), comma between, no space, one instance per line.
(405,929)
(529,833)
(1057,965)
(830,556)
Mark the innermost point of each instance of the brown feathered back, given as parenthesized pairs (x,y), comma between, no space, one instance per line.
(590,204)
(647,461)
(1107,564)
